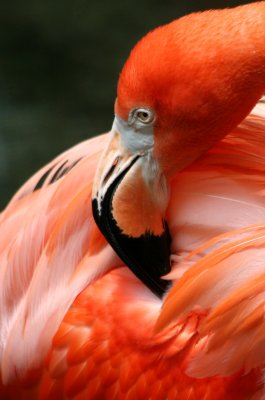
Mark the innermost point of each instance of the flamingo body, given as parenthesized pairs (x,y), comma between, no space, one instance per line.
(104,345)
(77,323)
(91,360)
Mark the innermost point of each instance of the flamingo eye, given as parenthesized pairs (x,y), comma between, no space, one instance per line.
(142,115)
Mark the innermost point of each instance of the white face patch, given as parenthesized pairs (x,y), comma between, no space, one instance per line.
(132,142)
(135,137)
(114,161)
(155,180)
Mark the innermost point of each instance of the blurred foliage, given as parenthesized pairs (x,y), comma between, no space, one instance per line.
(59,66)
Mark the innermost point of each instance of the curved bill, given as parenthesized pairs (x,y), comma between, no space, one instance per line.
(129,199)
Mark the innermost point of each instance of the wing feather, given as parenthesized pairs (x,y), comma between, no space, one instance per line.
(225,277)
(48,256)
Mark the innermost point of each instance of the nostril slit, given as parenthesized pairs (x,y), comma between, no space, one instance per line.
(111,170)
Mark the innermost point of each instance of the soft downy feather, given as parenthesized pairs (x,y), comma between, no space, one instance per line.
(49,254)
(224,276)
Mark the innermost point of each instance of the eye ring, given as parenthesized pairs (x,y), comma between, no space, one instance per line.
(143,115)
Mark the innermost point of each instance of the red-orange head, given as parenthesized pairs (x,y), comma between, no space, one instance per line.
(200,75)
(184,86)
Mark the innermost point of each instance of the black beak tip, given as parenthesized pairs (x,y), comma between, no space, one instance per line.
(148,256)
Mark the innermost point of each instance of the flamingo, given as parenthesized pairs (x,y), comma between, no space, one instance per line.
(156,291)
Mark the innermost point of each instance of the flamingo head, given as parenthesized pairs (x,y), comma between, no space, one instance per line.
(184,86)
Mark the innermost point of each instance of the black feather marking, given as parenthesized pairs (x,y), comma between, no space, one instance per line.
(56,175)
(43,178)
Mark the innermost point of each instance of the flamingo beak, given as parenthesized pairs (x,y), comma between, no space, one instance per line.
(130,196)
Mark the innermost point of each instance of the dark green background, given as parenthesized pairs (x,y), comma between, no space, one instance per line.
(59,64)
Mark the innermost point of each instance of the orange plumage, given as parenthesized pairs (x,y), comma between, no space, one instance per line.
(76,323)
